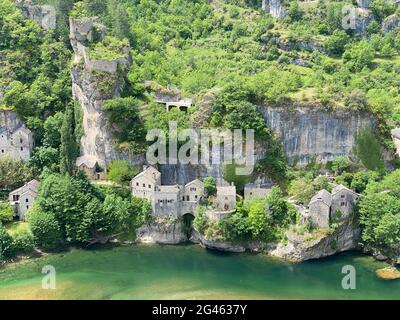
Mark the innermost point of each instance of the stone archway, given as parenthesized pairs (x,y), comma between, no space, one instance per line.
(187,224)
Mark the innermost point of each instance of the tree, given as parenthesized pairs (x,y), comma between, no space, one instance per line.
(359,55)
(336,42)
(379,210)
(340,165)
(121,171)
(302,190)
(13,173)
(6,212)
(277,207)
(362,178)
(5,244)
(210,186)
(321,182)
(230,176)
(381,9)
(295,12)
(23,241)
(368,150)
(257,218)
(68,149)
(45,228)
(45,157)
(52,126)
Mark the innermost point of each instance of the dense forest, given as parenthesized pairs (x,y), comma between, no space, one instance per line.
(231,50)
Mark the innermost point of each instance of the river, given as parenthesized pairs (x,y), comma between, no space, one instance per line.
(191,272)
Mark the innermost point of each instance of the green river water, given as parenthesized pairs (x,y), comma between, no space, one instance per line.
(191,272)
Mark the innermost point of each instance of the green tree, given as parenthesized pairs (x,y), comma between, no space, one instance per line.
(302,190)
(45,228)
(379,210)
(121,171)
(341,164)
(231,177)
(359,55)
(13,173)
(5,244)
(210,186)
(6,213)
(367,148)
(336,42)
(68,149)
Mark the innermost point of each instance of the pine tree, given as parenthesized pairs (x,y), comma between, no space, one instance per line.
(69,148)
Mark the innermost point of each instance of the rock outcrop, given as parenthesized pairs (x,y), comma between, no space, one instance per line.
(318,245)
(10,120)
(363,17)
(390,23)
(274,7)
(309,132)
(93,82)
(161,232)
(44,15)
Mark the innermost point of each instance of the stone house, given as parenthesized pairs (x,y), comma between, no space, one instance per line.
(172,200)
(166,201)
(194,191)
(17,144)
(343,201)
(144,184)
(226,198)
(253,190)
(326,208)
(23,198)
(178,200)
(90,167)
(320,208)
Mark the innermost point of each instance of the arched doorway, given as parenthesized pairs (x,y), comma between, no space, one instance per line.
(187,224)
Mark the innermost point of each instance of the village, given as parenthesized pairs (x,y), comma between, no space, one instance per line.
(175,201)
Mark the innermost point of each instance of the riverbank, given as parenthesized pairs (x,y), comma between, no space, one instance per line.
(190,272)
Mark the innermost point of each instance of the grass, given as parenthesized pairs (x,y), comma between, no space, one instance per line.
(15,226)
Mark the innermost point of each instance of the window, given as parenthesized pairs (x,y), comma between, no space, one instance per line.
(27,207)
(149,186)
(2,151)
(26,200)
(187,198)
(15,197)
(144,185)
(342,196)
(20,140)
(226,198)
(137,184)
(251,193)
(196,196)
(343,204)
(22,149)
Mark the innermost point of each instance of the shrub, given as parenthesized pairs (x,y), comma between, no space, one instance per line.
(23,241)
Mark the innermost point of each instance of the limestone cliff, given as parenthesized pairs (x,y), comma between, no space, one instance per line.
(10,120)
(93,82)
(44,15)
(306,247)
(309,132)
(274,7)
(161,232)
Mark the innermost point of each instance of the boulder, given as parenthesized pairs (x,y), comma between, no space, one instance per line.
(390,23)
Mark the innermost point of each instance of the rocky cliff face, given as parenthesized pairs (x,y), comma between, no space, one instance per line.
(45,16)
(301,248)
(274,7)
(161,232)
(390,23)
(10,120)
(93,82)
(309,132)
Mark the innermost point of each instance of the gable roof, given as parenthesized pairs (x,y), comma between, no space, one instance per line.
(22,129)
(226,191)
(341,187)
(88,161)
(150,173)
(323,196)
(196,182)
(30,186)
